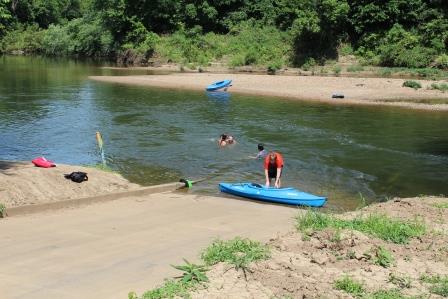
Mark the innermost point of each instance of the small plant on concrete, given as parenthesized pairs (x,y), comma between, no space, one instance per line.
(412,84)
(347,284)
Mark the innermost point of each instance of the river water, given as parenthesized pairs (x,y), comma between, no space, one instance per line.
(50,108)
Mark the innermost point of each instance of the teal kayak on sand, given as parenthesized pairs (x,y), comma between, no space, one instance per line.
(289,196)
(218,85)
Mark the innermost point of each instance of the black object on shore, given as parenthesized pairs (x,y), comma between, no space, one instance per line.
(337,96)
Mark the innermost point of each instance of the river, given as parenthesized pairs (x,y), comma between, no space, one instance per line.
(49,107)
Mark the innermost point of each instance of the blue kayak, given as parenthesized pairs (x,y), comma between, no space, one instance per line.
(218,85)
(288,196)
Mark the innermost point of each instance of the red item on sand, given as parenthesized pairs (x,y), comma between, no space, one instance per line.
(42,162)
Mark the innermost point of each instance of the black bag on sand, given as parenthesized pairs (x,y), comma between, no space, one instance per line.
(77,176)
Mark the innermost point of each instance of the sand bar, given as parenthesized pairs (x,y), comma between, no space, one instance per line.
(357,91)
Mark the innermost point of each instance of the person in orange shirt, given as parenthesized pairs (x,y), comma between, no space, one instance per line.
(273,166)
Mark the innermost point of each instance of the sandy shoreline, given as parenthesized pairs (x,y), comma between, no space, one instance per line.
(357,91)
(110,248)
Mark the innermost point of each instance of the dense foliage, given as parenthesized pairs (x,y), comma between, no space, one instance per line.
(405,33)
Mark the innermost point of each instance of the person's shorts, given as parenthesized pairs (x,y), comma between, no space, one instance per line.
(272,173)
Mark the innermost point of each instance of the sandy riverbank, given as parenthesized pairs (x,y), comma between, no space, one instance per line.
(111,248)
(308,265)
(357,91)
(21,183)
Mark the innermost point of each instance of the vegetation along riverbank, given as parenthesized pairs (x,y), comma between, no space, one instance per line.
(270,34)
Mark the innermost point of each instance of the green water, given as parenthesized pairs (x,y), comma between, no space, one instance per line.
(50,108)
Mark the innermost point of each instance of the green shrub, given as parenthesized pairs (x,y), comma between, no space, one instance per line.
(350,286)
(245,44)
(383,257)
(381,226)
(238,252)
(337,70)
(441,62)
(27,39)
(439,284)
(346,49)
(388,294)
(355,68)
(309,64)
(403,48)
(385,72)
(2,210)
(170,289)
(440,86)
(57,41)
(412,84)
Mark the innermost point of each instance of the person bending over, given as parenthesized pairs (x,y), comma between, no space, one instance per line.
(273,166)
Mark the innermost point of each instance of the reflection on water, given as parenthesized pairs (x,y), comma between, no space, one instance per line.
(220,96)
(50,108)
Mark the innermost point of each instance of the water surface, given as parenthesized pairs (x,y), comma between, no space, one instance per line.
(50,108)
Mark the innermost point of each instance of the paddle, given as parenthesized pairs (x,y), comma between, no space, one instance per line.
(99,139)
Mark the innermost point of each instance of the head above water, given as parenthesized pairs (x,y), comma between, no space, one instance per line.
(272,156)
(260,147)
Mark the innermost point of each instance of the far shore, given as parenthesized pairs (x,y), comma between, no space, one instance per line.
(356,91)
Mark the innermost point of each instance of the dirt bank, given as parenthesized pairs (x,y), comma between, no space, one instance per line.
(357,91)
(307,266)
(21,183)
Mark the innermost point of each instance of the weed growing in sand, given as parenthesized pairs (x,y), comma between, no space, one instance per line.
(192,273)
(388,294)
(439,284)
(170,289)
(441,205)
(442,86)
(193,276)
(238,252)
(355,68)
(347,284)
(400,281)
(378,225)
(412,84)
(2,210)
(383,257)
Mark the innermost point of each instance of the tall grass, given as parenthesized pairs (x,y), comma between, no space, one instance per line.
(378,225)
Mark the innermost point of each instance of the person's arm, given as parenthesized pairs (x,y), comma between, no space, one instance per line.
(277,179)
(267,177)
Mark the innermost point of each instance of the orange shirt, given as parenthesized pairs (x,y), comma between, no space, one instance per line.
(278,161)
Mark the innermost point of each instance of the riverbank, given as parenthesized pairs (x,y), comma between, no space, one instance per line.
(399,252)
(357,91)
(21,183)
(115,247)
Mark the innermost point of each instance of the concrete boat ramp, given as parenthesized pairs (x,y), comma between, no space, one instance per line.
(106,249)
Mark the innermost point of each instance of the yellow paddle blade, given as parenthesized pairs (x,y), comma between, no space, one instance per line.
(99,139)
